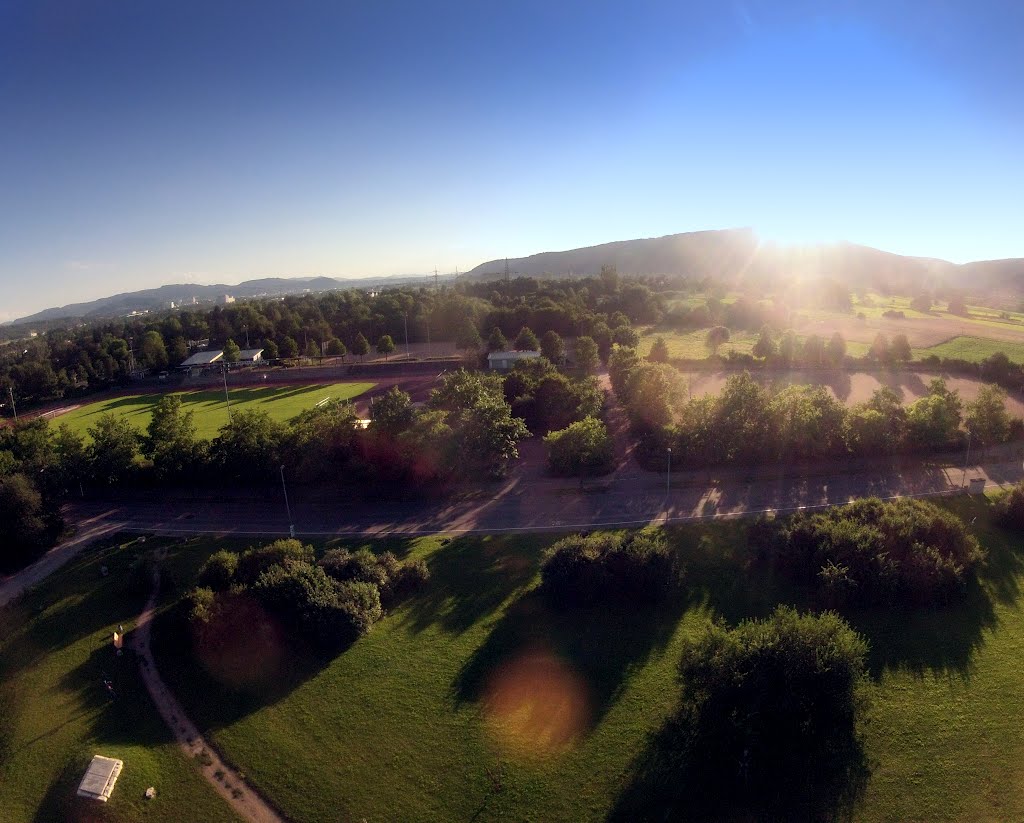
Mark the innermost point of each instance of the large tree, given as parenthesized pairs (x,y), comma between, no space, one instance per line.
(987,419)
(171,441)
(114,447)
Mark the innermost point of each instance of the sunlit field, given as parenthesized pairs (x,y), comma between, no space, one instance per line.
(439,713)
(209,408)
(55,712)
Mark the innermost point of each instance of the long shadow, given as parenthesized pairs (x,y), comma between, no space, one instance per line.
(470,577)
(597,647)
(672,780)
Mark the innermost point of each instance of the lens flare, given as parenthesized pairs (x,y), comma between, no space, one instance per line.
(536,705)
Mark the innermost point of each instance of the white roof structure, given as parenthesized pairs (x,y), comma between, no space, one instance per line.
(202,358)
(100,778)
(512,355)
(246,355)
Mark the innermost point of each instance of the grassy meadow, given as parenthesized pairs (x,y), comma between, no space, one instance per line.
(419,721)
(280,402)
(55,713)
(475,700)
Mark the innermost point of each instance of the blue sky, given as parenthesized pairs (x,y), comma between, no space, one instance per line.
(146,143)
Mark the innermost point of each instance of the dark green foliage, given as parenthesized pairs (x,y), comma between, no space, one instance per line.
(526,340)
(201,603)
(1009,508)
(115,444)
(253,562)
(497,341)
(249,447)
(218,571)
(609,568)
(361,566)
(28,526)
(872,551)
(659,351)
(769,722)
(583,448)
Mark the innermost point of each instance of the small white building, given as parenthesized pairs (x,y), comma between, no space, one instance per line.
(201,359)
(100,777)
(505,360)
(250,356)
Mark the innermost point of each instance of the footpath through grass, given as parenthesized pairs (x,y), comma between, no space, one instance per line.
(444,711)
(280,402)
(55,712)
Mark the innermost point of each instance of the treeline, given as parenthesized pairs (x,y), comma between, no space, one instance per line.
(466,430)
(70,362)
(331,601)
(749,423)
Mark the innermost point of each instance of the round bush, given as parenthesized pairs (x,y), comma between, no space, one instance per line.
(219,570)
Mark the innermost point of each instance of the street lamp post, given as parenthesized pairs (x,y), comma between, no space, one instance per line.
(668,471)
(14,408)
(967,459)
(287,505)
(227,401)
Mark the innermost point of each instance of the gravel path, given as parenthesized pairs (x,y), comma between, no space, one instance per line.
(227,781)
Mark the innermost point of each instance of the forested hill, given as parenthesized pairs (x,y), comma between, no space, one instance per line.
(182,293)
(735,257)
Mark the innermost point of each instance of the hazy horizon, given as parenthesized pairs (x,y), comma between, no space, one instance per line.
(214,143)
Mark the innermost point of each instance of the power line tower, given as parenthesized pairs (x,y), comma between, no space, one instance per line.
(436,286)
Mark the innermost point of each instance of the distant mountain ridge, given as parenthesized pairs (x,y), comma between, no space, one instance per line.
(161,297)
(737,257)
(733,257)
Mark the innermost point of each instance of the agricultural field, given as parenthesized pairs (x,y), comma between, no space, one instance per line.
(974,349)
(280,402)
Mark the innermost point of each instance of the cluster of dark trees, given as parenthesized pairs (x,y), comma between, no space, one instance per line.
(750,423)
(65,362)
(332,601)
(873,552)
(467,429)
(769,724)
(609,567)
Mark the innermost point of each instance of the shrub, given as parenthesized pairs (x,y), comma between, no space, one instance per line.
(771,711)
(219,570)
(873,551)
(202,605)
(584,447)
(409,578)
(361,566)
(356,608)
(253,562)
(605,567)
(1010,508)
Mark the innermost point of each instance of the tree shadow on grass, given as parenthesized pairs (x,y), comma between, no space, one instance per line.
(594,651)
(671,780)
(260,666)
(470,577)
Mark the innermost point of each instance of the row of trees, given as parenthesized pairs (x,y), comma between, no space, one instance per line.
(74,360)
(332,601)
(747,422)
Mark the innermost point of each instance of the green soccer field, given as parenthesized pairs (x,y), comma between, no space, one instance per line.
(280,402)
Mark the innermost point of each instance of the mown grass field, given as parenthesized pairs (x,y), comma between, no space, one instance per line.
(280,402)
(974,349)
(405,724)
(55,713)
(691,345)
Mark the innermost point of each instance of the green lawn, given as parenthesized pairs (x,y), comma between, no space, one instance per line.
(691,346)
(410,717)
(55,713)
(280,402)
(974,349)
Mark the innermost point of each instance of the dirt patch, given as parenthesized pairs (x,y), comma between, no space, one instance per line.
(852,387)
(922,332)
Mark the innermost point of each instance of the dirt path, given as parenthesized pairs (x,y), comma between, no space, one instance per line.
(227,781)
(89,530)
